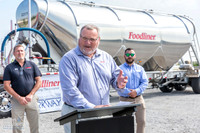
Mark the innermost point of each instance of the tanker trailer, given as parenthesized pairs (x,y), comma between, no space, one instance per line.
(160,40)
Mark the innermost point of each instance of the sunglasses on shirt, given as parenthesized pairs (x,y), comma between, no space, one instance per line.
(127,54)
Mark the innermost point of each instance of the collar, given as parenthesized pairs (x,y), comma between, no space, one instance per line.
(16,62)
(128,65)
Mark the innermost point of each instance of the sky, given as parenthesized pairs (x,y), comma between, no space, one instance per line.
(179,7)
(7,13)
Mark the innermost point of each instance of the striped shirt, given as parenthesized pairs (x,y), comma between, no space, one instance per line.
(137,79)
(85,82)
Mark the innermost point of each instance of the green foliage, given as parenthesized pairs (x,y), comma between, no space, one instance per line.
(195,63)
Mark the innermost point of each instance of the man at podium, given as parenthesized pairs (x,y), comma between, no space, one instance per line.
(86,74)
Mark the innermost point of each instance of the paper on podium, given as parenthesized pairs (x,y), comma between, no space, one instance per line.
(124,103)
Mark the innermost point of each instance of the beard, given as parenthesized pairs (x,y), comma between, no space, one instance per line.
(20,58)
(88,52)
(129,60)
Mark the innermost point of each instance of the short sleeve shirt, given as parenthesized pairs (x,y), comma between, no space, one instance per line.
(22,78)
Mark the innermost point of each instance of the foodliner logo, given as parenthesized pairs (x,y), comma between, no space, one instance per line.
(47,83)
(143,36)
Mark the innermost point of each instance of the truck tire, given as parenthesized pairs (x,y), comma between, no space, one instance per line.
(195,84)
(179,87)
(166,89)
(5,103)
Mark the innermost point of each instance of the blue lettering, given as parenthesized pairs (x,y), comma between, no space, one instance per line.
(51,102)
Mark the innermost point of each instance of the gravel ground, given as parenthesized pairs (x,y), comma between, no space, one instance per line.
(176,112)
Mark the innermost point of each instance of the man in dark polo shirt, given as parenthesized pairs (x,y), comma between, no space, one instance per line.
(22,79)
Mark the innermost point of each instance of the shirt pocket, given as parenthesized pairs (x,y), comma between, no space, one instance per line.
(137,74)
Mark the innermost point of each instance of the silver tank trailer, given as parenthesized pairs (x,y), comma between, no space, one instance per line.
(159,40)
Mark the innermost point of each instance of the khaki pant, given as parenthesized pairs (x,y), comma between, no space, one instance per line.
(32,114)
(140,113)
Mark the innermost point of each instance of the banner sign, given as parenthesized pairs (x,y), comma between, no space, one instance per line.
(49,94)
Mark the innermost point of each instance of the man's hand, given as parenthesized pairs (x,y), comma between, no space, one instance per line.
(133,93)
(22,100)
(121,80)
(29,98)
(101,106)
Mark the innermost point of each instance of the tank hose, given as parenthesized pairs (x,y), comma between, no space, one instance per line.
(25,29)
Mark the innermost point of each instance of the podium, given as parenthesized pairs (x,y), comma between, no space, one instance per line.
(113,119)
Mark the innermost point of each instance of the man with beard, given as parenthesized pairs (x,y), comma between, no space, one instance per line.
(86,74)
(137,83)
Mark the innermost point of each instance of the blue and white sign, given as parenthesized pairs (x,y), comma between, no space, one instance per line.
(49,94)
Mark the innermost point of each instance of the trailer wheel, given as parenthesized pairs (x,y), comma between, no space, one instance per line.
(179,87)
(195,83)
(5,104)
(166,89)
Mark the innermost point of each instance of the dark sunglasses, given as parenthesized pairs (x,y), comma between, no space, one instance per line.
(127,54)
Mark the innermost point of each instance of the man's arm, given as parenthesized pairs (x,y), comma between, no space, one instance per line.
(69,80)
(11,91)
(35,88)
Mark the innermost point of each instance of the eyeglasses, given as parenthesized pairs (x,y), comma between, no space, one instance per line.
(89,39)
(127,54)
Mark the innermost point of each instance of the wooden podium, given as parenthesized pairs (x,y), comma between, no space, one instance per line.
(113,119)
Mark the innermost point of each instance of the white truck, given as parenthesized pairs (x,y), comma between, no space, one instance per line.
(160,41)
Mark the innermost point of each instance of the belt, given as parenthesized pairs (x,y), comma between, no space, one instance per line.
(68,104)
